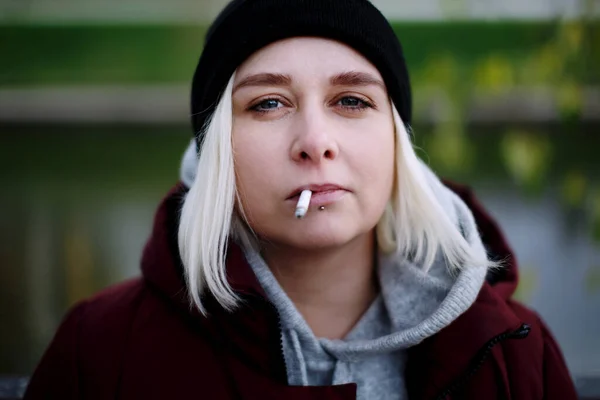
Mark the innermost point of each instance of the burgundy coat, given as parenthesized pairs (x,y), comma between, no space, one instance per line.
(141,339)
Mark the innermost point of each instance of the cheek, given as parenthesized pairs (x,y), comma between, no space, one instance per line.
(375,151)
(247,166)
(376,166)
(254,172)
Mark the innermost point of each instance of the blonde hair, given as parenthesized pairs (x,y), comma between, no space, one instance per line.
(414,225)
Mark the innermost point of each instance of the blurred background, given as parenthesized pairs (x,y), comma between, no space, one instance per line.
(94,121)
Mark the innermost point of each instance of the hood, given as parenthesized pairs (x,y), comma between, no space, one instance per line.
(504,280)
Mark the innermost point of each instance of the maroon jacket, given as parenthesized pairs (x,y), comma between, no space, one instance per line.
(142,340)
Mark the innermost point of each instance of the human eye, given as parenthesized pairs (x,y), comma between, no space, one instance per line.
(266,105)
(354,103)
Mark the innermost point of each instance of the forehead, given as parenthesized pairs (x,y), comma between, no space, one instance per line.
(306,56)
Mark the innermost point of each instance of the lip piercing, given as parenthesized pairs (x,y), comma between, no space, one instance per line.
(303,204)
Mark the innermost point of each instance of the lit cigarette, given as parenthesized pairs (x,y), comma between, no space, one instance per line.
(303,202)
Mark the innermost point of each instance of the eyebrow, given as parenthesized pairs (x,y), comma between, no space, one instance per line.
(351,78)
(355,78)
(264,79)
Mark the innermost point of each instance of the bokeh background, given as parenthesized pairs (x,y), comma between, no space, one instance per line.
(94,121)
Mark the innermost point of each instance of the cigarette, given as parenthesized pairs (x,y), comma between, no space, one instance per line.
(303,202)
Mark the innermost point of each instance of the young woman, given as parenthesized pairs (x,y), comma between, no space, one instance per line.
(308,253)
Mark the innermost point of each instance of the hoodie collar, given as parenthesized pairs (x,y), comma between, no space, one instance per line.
(504,281)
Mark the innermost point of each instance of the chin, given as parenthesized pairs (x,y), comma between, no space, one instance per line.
(315,234)
(320,238)
(319,243)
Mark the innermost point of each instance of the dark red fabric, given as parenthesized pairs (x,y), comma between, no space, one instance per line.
(141,339)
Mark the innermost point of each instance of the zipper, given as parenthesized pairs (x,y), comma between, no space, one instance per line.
(521,333)
(249,297)
(280,333)
(272,307)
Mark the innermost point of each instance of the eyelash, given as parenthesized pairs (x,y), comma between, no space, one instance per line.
(256,106)
(363,105)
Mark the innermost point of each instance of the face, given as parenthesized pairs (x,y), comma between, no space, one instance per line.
(312,113)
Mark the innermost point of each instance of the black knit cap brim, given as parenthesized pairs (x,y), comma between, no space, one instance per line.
(246,26)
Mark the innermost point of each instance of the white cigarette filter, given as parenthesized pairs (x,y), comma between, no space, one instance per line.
(303,203)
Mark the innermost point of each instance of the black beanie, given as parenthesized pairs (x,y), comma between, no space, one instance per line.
(245,26)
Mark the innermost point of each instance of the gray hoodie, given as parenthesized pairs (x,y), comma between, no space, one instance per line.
(412,305)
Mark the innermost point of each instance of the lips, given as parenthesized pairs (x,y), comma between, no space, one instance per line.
(317,189)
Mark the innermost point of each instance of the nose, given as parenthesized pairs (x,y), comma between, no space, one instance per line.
(314,137)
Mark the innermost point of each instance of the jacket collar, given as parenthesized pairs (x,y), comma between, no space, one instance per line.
(443,358)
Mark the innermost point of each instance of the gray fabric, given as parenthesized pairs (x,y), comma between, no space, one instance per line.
(189,164)
(412,306)
(317,361)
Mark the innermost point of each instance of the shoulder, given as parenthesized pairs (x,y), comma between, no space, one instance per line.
(513,314)
(113,303)
(538,357)
(106,310)
(539,331)
(532,365)
(88,343)
(102,322)
(493,316)
(540,334)
(118,314)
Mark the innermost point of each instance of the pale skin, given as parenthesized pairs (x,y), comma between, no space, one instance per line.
(314,111)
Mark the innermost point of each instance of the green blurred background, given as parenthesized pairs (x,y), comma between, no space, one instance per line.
(94,121)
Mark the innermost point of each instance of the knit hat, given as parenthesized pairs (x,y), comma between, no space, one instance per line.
(245,26)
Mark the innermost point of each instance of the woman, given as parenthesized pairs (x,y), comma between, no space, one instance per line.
(308,253)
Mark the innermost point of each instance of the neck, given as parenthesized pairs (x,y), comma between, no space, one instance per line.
(331,288)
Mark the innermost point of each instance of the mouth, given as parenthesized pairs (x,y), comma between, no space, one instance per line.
(322,194)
